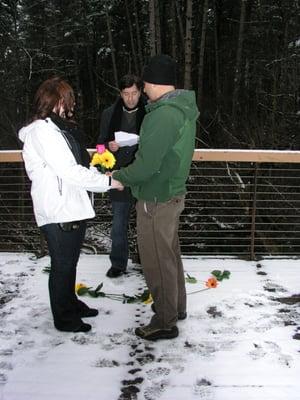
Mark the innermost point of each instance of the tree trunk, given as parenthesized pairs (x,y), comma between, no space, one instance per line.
(152,27)
(111,44)
(238,64)
(138,37)
(79,103)
(201,53)
(135,62)
(276,80)
(180,24)
(188,45)
(173,32)
(157,28)
(217,60)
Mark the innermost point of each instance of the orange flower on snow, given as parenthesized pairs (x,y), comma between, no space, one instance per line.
(211,283)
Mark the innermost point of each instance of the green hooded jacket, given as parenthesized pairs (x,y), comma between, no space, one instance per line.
(167,140)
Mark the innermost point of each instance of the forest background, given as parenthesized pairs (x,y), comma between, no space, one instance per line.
(240,56)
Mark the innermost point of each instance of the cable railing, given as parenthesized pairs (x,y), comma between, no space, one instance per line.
(243,203)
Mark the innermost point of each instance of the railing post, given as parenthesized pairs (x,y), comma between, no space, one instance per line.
(253,214)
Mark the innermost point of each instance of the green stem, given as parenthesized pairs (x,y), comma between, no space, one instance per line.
(114,294)
(111,296)
(198,291)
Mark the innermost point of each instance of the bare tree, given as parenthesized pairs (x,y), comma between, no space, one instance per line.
(180,24)
(201,52)
(217,58)
(111,44)
(94,42)
(152,27)
(188,45)
(138,36)
(173,32)
(238,64)
(135,61)
(157,28)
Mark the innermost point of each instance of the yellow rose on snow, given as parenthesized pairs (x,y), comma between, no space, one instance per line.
(79,286)
(148,300)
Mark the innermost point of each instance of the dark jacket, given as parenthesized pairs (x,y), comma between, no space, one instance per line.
(112,120)
(74,138)
(166,147)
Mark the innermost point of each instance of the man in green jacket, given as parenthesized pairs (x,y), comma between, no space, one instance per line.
(157,179)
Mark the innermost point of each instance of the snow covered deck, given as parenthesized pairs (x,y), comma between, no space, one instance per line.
(240,341)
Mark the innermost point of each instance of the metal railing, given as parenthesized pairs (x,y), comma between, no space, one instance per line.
(239,203)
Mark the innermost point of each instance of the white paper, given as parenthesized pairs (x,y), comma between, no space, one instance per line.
(126,139)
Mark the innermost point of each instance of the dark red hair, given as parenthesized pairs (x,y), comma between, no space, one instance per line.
(48,96)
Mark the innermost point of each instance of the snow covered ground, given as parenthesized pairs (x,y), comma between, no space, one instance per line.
(239,342)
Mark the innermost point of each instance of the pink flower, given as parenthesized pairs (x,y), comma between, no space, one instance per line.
(100,148)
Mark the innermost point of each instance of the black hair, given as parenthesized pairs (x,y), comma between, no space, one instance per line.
(129,80)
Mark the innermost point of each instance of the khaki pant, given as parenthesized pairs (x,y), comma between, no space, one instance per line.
(158,243)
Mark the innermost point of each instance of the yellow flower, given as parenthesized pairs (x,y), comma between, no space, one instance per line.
(79,286)
(105,159)
(96,159)
(148,300)
(108,159)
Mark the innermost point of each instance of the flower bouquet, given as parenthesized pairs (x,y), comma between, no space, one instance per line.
(103,159)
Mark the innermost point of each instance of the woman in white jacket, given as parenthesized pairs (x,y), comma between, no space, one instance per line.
(59,189)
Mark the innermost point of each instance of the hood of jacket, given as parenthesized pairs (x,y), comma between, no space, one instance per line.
(23,132)
(184,100)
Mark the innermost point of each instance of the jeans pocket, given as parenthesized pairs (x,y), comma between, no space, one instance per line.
(69,226)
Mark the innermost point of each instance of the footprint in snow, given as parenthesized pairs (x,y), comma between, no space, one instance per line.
(3,378)
(158,372)
(154,391)
(203,388)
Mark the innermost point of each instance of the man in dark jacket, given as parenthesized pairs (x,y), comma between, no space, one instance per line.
(157,178)
(125,115)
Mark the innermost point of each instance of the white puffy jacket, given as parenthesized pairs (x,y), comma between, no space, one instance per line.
(59,185)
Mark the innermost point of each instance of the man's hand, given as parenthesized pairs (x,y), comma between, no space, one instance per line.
(113,146)
(116,185)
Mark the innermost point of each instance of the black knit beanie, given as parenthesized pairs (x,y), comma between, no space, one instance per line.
(161,70)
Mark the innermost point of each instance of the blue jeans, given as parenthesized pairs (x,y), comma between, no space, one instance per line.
(119,234)
(64,251)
